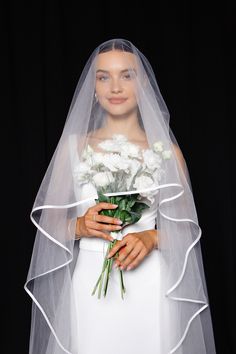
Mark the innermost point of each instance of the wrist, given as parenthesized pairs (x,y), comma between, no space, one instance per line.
(77,229)
(155,238)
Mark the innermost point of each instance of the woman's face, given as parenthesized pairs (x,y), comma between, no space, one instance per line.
(115,82)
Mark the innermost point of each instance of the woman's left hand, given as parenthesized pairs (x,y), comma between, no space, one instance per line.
(133,248)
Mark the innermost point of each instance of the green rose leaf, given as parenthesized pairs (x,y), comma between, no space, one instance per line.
(139,207)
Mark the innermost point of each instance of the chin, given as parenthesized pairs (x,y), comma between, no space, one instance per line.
(119,110)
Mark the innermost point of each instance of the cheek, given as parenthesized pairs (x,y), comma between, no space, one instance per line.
(102,90)
(132,96)
(130,90)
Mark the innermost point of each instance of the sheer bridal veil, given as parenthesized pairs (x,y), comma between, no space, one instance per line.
(56,206)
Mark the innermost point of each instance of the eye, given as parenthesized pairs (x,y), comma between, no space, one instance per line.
(103,77)
(128,75)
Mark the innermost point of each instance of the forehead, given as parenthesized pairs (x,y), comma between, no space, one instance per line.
(115,60)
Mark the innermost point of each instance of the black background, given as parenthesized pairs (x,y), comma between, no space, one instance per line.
(45,45)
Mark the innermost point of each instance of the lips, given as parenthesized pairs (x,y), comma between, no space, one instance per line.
(117,100)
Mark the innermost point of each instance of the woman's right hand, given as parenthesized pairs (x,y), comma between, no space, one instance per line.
(87,227)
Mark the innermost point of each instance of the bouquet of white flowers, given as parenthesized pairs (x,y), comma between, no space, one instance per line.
(123,166)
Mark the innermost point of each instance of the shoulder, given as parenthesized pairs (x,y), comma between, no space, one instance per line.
(179,155)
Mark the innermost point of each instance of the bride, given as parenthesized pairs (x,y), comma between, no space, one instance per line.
(117,105)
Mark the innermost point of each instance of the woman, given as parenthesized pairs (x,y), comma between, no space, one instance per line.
(117,102)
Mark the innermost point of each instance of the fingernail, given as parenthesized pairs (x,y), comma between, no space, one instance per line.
(128,268)
(119,222)
(108,256)
(115,205)
(115,265)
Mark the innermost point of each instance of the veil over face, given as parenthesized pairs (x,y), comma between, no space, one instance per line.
(117,103)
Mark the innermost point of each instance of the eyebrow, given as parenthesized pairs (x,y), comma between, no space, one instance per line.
(122,71)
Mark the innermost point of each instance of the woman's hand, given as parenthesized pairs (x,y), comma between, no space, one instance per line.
(133,248)
(86,226)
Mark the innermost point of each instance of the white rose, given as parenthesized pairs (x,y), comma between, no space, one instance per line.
(130,150)
(102,179)
(134,166)
(158,146)
(90,160)
(116,235)
(81,167)
(157,175)
(150,195)
(143,182)
(81,172)
(115,144)
(151,159)
(166,154)
(115,162)
(109,145)
(98,158)
(88,151)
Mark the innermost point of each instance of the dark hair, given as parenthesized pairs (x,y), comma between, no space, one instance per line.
(116,44)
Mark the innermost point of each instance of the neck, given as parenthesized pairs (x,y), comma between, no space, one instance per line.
(126,124)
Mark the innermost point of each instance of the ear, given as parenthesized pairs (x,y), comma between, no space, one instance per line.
(95,97)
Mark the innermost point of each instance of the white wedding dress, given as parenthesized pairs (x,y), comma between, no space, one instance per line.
(112,324)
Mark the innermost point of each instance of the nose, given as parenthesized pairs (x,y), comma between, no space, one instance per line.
(116,86)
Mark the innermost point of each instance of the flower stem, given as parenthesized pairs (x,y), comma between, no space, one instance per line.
(100,279)
(106,269)
(107,276)
(122,284)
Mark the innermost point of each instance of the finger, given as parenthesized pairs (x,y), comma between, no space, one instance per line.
(100,234)
(104,205)
(131,258)
(127,251)
(117,246)
(98,226)
(127,238)
(108,219)
(137,260)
